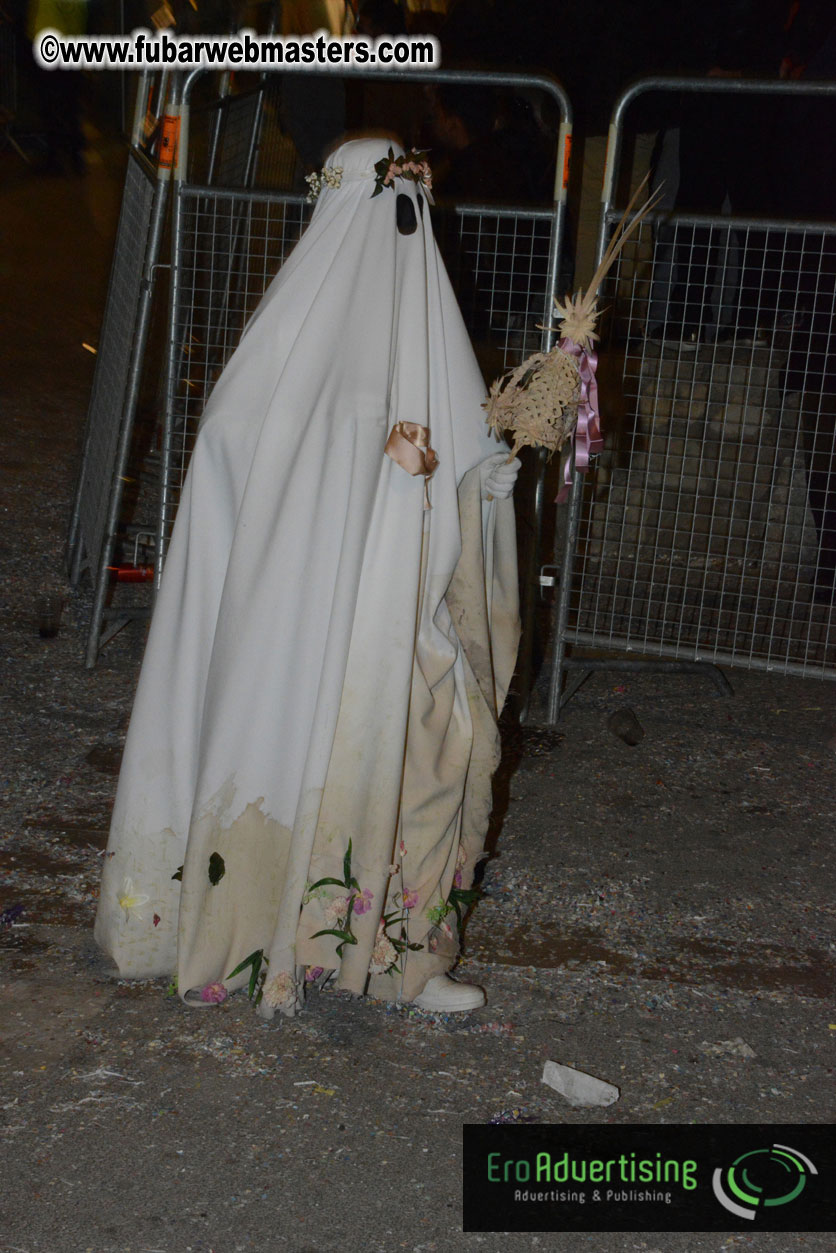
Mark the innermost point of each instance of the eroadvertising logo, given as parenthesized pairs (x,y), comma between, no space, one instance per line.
(762,1177)
(619,1179)
(658,1177)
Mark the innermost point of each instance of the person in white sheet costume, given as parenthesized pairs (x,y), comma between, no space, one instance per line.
(328,655)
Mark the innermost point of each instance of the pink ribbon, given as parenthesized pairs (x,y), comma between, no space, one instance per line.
(588,439)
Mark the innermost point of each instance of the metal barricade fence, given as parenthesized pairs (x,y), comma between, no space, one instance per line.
(119,365)
(235,133)
(227,246)
(113,360)
(705,532)
(103,521)
(97,521)
(277,159)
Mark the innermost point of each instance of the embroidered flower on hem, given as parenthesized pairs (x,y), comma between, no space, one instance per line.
(214,994)
(460,864)
(131,901)
(437,912)
(313,894)
(280,991)
(362,903)
(384,953)
(409,899)
(336,910)
(312,973)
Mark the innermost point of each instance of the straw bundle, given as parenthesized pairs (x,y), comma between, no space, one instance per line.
(537,402)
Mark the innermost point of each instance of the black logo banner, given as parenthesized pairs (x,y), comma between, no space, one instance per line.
(659,1177)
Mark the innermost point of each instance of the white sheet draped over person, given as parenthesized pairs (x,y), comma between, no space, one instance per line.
(328,655)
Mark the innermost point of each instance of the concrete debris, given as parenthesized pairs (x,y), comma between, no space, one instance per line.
(577,1087)
(728,1048)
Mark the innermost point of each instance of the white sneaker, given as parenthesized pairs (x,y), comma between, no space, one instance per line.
(446,996)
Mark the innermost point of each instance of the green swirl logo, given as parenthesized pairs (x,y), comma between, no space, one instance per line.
(761,1179)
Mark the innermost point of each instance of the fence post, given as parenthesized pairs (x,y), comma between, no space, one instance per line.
(134,378)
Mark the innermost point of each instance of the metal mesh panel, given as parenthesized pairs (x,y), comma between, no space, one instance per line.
(276,160)
(227,251)
(709,527)
(237,140)
(229,247)
(107,401)
(499,265)
(237,126)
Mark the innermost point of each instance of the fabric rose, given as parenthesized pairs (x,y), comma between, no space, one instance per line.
(214,994)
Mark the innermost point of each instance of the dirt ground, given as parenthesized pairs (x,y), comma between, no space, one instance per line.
(660,916)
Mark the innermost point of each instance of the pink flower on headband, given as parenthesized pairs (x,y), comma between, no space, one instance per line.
(413,165)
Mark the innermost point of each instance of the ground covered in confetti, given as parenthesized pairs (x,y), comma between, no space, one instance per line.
(659,916)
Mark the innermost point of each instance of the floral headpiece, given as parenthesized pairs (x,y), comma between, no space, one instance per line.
(412,165)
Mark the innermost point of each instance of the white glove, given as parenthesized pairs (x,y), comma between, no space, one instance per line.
(498,476)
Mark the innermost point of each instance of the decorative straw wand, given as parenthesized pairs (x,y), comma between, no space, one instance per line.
(553,394)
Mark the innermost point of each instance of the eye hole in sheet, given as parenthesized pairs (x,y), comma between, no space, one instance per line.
(405,214)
